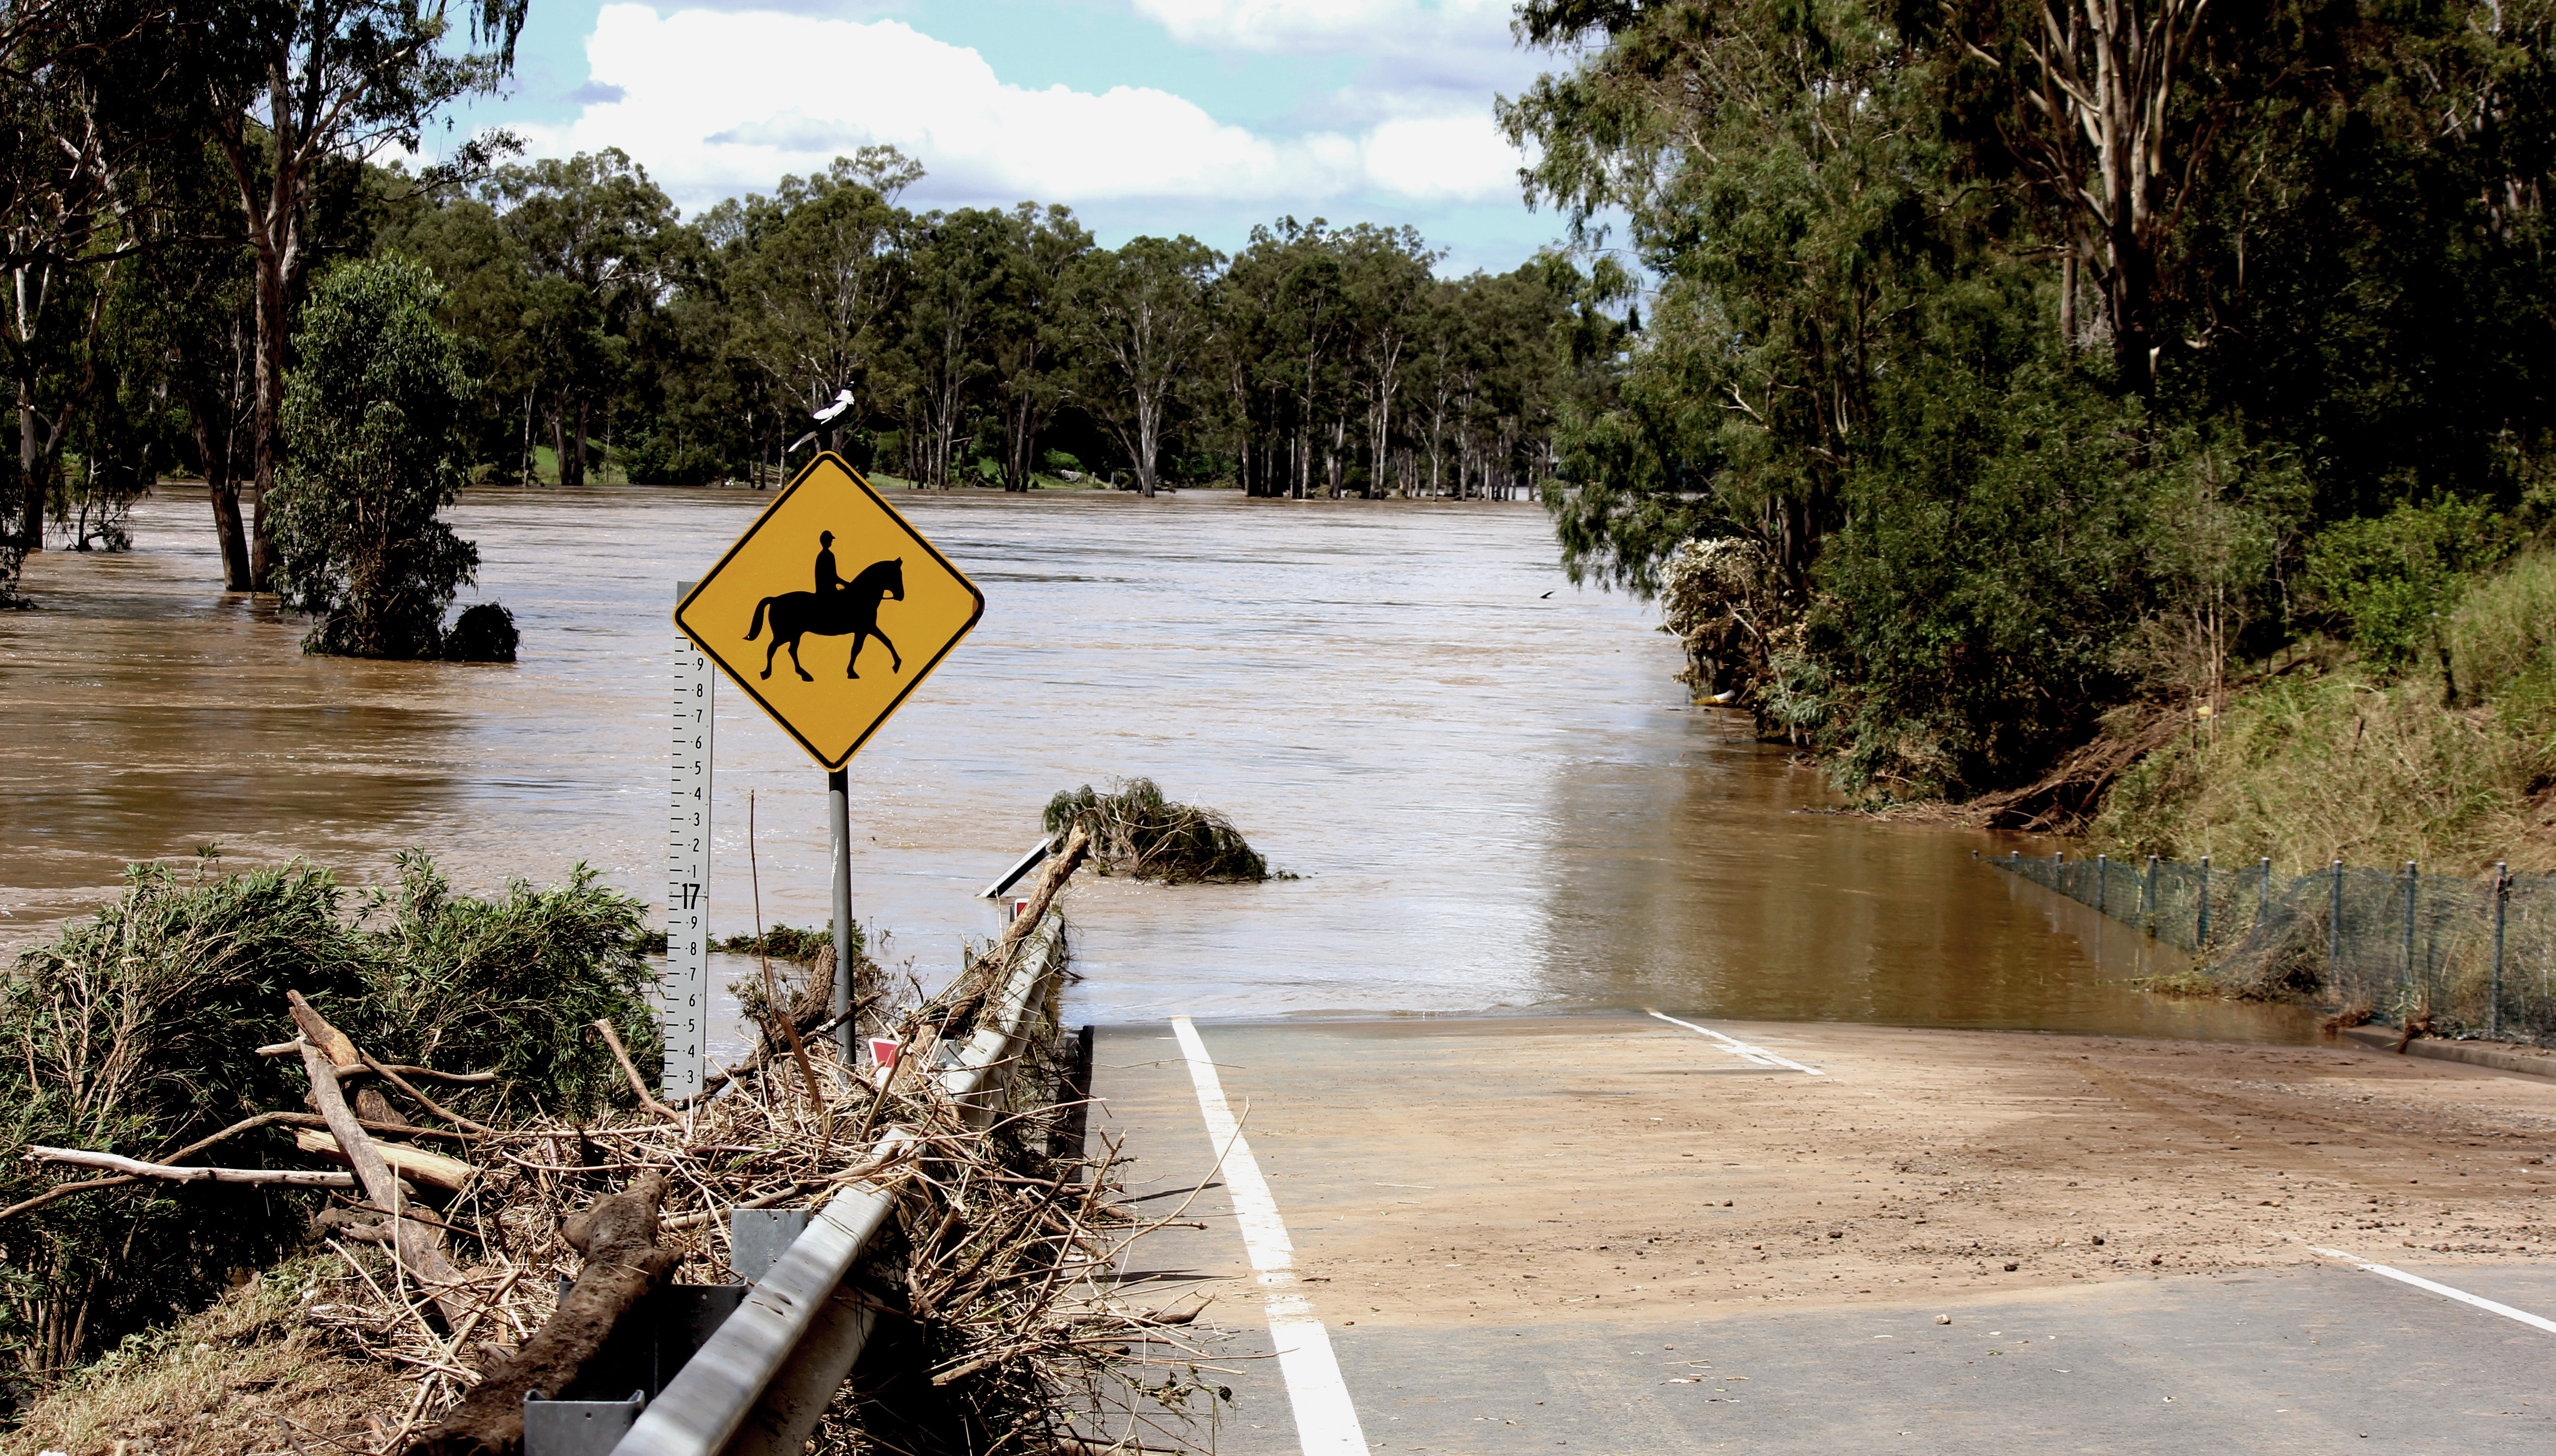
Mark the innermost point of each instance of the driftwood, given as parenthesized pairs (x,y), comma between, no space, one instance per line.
(417,1249)
(623,1262)
(369,1104)
(136,1168)
(473,1079)
(413,1163)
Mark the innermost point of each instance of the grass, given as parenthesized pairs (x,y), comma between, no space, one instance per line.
(2331,759)
(217,1380)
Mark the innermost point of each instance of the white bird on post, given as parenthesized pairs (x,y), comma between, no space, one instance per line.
(823,417)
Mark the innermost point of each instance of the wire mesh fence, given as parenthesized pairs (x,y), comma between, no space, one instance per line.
(2477,957)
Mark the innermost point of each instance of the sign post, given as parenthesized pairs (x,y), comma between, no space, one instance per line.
(830,559)
(686,986)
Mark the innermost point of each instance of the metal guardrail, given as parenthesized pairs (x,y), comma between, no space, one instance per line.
(762,1382)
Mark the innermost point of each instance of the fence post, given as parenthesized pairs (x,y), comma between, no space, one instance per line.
(2501,900)
(2148,899)
(2264,895)
(2334,933)
(2410,873)
(2103,874)
(2201,917)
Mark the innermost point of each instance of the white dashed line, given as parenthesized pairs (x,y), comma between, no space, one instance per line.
(2444,1290)
(1327,1423)
(1757,1055)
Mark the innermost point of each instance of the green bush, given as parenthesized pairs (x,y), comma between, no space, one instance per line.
(136,1033)
(511,985)
(2383,581)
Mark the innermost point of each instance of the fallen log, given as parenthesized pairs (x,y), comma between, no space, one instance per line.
(411,1163)
(169,1172)
(623,1262)
(417,1251)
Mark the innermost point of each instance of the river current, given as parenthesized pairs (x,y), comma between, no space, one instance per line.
(1495,797)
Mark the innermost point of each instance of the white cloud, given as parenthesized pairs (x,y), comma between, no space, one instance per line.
(715,104)
(1328,27)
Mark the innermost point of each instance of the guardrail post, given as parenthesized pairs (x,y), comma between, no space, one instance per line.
(2201,915)
(2502,902)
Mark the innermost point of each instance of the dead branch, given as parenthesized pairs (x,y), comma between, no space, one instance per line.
(420,1254)
(638,1084)
(420,1098)
(166,1172)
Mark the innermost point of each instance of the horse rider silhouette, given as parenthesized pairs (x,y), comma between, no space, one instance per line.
(837,607)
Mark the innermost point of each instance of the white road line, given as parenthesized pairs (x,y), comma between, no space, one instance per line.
(2444,1290)
(1757,1055)
(1326,1420)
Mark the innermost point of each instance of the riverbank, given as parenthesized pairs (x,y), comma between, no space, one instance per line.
(2451,764)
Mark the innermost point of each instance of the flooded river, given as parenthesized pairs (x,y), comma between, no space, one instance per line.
(1489,782)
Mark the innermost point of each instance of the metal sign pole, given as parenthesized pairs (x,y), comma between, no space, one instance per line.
(686,988)
(838,820)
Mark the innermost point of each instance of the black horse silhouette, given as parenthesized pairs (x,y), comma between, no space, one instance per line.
(854,610)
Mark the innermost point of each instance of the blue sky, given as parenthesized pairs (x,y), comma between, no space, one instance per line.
(1145,116)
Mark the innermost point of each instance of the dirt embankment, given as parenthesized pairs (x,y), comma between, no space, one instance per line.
(1533,1167)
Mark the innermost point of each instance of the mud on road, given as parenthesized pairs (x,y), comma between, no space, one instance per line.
(1498,1170)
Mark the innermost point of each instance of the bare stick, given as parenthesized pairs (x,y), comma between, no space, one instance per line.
(638,1084)
(369,1104)
(136,1168)
(420,1098)
(474,1079)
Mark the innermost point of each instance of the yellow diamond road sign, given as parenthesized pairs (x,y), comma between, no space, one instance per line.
(829,610)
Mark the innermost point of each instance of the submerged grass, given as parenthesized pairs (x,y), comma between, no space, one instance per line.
(1136,831)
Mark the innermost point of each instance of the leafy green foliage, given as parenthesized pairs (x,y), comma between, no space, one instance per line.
(136,1033)
(375,410)
(2387,579)
(510,984)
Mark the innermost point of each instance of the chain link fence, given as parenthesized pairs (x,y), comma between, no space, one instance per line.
(2479,956)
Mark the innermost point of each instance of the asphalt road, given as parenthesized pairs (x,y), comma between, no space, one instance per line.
(2307,1355)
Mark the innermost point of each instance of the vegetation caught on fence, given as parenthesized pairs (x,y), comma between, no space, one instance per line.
(2471,957)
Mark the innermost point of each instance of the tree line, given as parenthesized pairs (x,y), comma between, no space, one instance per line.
(177,179)
(2014,360)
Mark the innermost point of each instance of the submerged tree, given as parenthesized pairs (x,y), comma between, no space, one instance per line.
(378,410)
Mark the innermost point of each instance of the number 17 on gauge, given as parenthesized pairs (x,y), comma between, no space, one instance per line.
(686,986)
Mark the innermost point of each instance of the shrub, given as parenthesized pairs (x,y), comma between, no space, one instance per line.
(376,412)
(484,633)
(2382,579)
(136,1033)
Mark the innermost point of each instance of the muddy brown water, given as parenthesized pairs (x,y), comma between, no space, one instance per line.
(1486,778)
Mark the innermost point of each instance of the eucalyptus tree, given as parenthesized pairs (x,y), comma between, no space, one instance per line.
(285,87)
(1142,321)
(816,272)
(955,276)
(595,234)
(378,412)
(1030,337)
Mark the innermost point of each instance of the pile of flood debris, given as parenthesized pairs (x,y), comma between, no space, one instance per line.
(485,1259)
